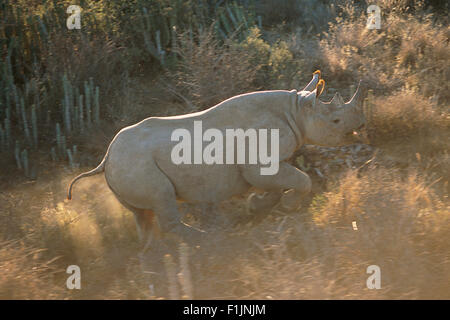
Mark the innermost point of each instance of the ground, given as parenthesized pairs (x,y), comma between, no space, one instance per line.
(380,203)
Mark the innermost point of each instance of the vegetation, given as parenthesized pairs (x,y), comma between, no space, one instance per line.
(65,93)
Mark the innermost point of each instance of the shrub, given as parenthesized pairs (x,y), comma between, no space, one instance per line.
(311,15)
(210,72)
(408,51)
(408,118)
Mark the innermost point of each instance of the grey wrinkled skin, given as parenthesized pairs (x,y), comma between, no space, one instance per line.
(139,170)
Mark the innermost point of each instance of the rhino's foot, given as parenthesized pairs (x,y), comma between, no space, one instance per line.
(291,200)
(156,248)
(183,232)
(262,204)
(213,219)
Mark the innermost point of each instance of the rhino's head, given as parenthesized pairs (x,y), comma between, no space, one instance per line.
(331,123)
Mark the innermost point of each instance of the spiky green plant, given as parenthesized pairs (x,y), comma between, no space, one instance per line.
(96,105)
(17,155)
(58,137)
(26,130)
(66,103)
(2,138)
(34,126)
(87,94)
(81,113)
(53,154)
(8,132)
(63,145)
(24,156)
(70,158)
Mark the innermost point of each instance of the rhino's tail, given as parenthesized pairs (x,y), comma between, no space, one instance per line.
(100,168)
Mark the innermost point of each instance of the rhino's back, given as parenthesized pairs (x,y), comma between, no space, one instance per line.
(249,110)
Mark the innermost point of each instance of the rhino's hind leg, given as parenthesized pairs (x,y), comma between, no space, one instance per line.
(147,226)
(170,223)
(146,222)
(164,204)
(153,192)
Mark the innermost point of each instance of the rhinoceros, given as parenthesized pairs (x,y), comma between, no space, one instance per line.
(140,171)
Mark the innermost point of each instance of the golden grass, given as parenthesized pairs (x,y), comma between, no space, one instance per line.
(25,275)
(210,72)
(403,227)
(409,51)
(408,118)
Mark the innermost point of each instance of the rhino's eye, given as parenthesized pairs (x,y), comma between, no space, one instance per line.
(336,120)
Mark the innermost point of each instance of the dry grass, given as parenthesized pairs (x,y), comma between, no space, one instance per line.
(93,235)
(408,118)
(210,72)
(408,51)
(403,227)
(25,275)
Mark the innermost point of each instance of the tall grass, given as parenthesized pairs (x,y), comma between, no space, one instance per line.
(408,51)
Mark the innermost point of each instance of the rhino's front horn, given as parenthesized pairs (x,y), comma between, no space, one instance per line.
(313,83)
(358,97)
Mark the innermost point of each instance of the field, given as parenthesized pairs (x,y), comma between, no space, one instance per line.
(65,93)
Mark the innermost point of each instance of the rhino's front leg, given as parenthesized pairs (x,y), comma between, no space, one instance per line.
(263,203)
(288,177)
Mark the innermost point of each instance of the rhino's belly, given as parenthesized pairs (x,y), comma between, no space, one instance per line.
(205,183)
